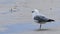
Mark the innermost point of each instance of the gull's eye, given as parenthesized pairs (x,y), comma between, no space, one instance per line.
(32,11)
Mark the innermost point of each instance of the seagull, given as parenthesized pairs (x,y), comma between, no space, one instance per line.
(40,18)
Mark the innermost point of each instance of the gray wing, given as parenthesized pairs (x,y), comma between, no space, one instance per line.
(41,18)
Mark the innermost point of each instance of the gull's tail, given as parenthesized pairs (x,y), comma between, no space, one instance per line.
(50,20)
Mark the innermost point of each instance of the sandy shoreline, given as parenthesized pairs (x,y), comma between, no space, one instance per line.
(12,23)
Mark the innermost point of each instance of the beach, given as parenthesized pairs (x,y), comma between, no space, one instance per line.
(21,22)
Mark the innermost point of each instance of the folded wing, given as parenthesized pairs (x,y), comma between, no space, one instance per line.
(42,19)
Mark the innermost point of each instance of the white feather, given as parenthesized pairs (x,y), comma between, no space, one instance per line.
(36,12)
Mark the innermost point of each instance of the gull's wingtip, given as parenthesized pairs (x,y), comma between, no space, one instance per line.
(51,20)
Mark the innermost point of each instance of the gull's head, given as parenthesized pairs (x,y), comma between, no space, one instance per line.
(35,11)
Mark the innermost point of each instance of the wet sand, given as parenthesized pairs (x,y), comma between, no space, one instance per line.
(30,28)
